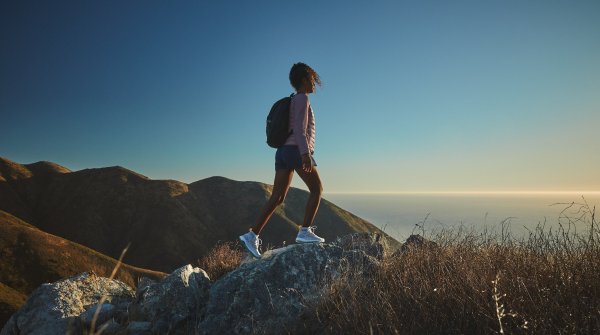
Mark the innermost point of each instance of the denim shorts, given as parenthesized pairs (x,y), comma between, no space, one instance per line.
(288,157)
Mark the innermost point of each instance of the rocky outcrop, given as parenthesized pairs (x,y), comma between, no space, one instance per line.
(173,305)
(68,305)
(273,292)
(264,295)
(30,257)
(375,245)
(415,242)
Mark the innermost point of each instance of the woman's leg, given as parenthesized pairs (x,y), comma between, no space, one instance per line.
(283,179)
(313,182)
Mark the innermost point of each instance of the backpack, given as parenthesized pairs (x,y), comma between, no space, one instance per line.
(278,122)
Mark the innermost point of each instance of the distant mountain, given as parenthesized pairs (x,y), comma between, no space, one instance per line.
(30,257)
(169,223)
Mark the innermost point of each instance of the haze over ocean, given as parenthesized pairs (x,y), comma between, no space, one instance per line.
(397,214)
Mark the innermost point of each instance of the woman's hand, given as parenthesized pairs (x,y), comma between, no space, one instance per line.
(307,164)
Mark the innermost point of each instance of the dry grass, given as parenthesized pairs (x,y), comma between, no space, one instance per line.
(469,282)
(105,296)
(221,259)
(478,282)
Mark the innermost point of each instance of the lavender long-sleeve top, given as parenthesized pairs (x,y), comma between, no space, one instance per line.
(302,123)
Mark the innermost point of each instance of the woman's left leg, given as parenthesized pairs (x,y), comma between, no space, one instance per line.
(313,182)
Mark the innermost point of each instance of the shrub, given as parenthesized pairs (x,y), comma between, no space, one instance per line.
(223,258)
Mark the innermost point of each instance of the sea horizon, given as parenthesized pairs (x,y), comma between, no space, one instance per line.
(467,192)
(401,214)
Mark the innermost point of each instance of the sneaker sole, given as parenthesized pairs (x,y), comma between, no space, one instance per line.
(247,248)
(302,241)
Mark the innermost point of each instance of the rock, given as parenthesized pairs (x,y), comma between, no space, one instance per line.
(145,281)
(56,308)
(139,328)
(173,304)
(372,244)
(270,294)
(415,241)
(247,259)
(104,314)
(112,327)
(108,312)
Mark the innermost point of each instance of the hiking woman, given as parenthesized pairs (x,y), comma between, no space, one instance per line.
(295,155)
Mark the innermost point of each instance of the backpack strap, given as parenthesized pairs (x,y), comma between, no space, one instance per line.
(291,96)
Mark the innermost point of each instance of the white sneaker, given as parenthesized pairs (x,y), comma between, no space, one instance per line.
(251,241)
(307,235)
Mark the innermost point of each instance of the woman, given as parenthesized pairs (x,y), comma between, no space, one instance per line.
(294,155)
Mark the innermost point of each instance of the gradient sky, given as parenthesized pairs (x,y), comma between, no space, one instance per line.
(417,96)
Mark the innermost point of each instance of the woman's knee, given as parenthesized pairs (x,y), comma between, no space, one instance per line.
(277,199)
(317,190)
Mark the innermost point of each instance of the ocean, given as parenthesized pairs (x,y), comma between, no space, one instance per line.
(399,215)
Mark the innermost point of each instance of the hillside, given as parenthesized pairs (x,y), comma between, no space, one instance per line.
(169,223)
(30,257)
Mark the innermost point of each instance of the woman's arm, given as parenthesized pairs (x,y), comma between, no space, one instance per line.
(300,110)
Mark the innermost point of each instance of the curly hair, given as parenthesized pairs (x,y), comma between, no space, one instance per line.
(301,72)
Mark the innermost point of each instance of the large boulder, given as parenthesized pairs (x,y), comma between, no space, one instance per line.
(68,305)
(172,305)
(266,295)
(269,295)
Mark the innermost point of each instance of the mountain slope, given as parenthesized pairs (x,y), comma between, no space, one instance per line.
(169,223)
(10,302)
(30,257)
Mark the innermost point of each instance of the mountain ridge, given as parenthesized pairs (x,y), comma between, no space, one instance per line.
(59,216)
(168,222)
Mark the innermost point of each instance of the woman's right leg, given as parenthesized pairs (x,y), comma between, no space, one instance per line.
(281,185)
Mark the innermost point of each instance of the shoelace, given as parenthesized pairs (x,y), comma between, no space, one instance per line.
(311,230)
(257,242)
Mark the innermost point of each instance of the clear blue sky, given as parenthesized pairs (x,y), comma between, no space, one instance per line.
(417,96)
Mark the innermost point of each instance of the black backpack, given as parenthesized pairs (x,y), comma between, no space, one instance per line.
(278,122)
